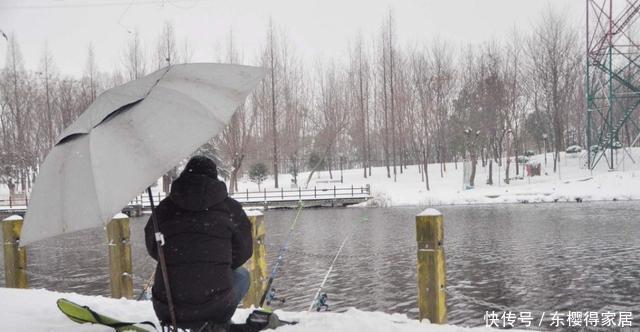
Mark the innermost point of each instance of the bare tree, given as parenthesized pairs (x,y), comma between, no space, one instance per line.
(333,117)
(47,75)
(392,95)
(271,54)
(133,57)
(443,86)
(421,80)
(166,49)
(554,64)
(359,76)
(18,95)
(235,139)
(167,54)
(91,70)
(385,99)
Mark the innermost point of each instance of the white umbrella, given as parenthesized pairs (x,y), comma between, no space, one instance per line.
(128,138)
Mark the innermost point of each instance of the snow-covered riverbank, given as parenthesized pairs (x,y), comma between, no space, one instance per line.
(36,311)
(572,183)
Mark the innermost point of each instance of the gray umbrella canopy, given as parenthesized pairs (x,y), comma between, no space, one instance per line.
(128,138)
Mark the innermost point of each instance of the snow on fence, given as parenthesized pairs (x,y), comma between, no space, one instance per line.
(17,203)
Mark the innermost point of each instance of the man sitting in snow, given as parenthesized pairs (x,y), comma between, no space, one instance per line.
(207,239)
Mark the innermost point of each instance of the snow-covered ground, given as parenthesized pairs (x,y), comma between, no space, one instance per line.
(572,182)
(35,310)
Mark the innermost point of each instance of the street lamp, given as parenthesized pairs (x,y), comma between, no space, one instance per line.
(544,137)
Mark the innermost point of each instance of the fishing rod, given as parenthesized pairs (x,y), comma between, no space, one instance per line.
(326,276)
(147,285)
(281,252)
(163,262)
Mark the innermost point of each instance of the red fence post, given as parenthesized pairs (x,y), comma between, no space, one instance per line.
(299,193)
(281,193)
(247,194)
(314,192)
(334,191)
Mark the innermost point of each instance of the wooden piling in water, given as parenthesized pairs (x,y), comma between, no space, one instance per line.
(119,237)
(431,266)
(15,256)
(257,264)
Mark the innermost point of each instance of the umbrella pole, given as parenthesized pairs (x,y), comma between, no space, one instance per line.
(163,262)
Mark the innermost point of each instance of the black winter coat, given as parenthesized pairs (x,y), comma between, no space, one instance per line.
(207,234)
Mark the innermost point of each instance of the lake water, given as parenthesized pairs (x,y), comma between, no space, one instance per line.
(529,257)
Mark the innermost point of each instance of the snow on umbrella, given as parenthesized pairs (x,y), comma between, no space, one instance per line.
(128,138)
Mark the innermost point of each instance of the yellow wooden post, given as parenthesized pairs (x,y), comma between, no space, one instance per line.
(15,256)
(431,266)
(257,264)
(119,236)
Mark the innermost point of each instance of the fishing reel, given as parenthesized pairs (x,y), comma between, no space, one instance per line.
(272,297)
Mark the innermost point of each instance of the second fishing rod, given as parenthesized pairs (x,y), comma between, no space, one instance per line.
(281,253)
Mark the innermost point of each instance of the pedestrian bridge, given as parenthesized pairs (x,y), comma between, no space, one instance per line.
(323,196)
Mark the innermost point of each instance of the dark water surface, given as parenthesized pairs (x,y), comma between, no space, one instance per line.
(533,257)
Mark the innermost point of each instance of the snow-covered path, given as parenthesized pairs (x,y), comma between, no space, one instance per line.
(36,311)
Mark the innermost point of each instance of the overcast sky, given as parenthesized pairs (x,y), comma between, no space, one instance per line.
(317,28)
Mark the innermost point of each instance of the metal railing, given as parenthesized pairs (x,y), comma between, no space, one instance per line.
(302,194)
(265,195)
(14,202)
(246,196)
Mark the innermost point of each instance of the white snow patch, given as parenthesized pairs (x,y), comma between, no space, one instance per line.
(253,212)
(35,310)
(13,218)
(430,213)
(572,182)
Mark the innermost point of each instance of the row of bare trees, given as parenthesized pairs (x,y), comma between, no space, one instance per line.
(385,105)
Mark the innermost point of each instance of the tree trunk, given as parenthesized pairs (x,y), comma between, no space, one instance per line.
(425,166)
(515,149)
(472,177)
(393,118)
(384,107)
(506,172)
(315,167)
(273,113)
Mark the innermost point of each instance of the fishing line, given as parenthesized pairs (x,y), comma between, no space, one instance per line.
(333,262)
(326,276)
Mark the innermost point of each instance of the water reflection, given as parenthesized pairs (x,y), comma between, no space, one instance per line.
(579,257)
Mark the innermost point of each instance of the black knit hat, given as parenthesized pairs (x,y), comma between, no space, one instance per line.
(202,165)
